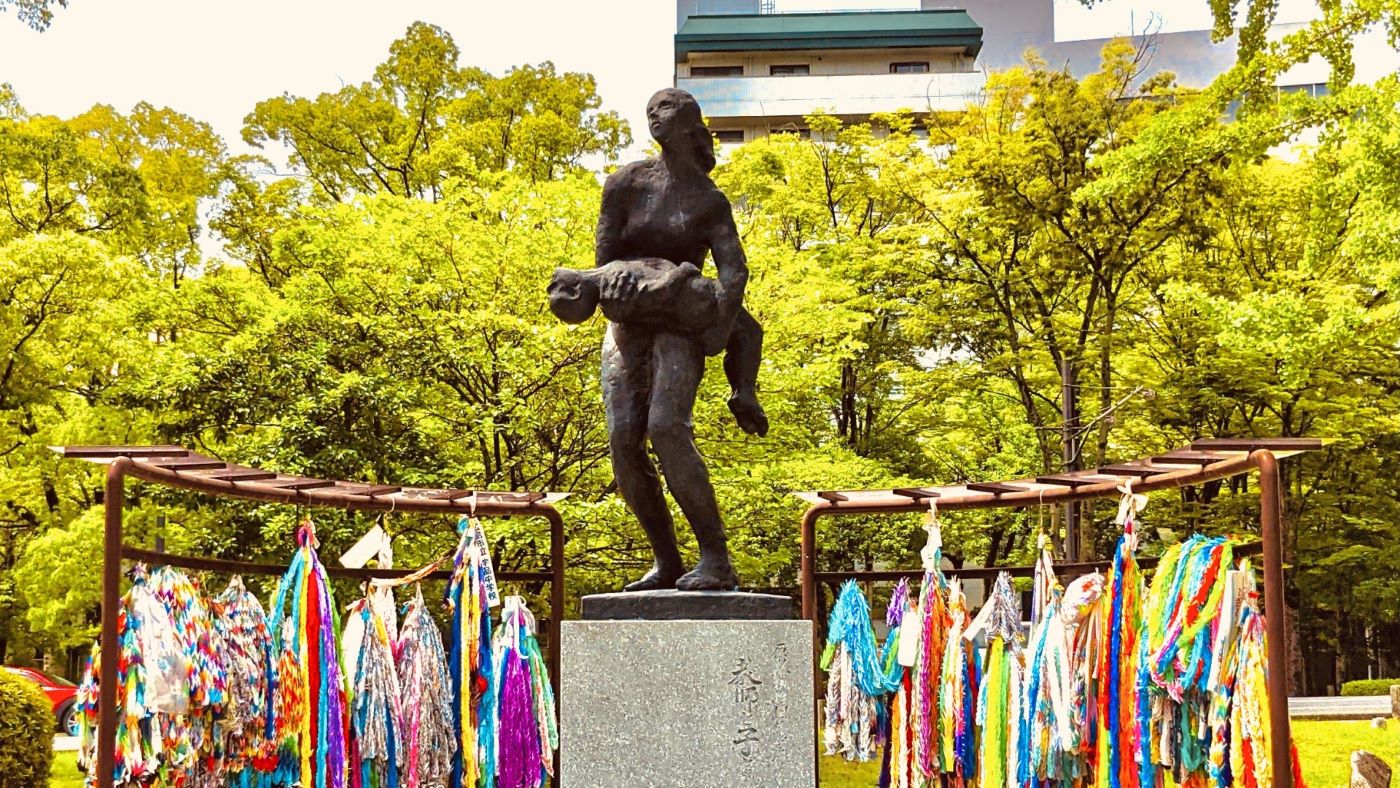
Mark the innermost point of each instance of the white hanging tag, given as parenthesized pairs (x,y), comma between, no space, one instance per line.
(934,544)
(980,623)
(352,637)
(909,634)
(373,543)
(1129,505)
(493,593)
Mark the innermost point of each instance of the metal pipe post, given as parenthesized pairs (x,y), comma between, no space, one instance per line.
(1275,618)
(556,614)
(808,569)
(556,591)
(1069,449)
(110,650)
(808,579)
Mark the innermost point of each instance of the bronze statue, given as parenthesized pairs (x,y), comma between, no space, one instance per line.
(659,219)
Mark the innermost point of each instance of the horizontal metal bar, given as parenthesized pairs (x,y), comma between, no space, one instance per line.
(1129,469)
(371,490)
(1190,457)
(991,572)
(250,568)
(334,497)
(241,475)
(1067,480)
(191,464)
(1254,444)
(834,497)
(996,488)
(99,452)
(299,484)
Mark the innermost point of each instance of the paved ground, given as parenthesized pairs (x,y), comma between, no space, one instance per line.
(65,743)
(1339,708)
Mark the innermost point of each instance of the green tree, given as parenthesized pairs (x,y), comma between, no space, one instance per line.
(422,119)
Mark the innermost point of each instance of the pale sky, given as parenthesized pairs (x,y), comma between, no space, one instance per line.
(215,60)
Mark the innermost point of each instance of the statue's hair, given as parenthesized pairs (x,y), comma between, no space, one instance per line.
(704,143)
(696,132)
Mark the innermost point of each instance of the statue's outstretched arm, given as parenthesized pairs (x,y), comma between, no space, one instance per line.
(732,271)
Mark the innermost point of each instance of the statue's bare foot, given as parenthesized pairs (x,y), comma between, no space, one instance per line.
(749,414)
(710,576)
(658,579)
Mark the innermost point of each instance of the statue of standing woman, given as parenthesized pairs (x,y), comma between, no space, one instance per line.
(660,218)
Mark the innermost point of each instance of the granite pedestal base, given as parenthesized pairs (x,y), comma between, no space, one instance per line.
(686,704)
(674,605)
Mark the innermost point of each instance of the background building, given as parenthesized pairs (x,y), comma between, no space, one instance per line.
(756,73)
(1065,34)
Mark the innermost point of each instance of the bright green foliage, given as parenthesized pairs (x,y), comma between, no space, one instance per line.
(380,315)
(26,733)
(421,120)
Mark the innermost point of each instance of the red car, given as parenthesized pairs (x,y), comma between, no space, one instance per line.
(60,693)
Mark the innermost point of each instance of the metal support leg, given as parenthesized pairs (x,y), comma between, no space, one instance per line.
(1276,618)
(808,579)
(110,649)
(556,614)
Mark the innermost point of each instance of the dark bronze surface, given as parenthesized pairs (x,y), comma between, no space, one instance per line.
(660,219)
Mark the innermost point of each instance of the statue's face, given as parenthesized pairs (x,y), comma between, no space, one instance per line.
(666,114)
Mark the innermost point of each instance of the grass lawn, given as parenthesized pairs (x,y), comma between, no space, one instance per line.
(65,771)
(1324,747)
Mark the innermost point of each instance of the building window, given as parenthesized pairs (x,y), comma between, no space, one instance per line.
(729,136)
(911,67)
(794,70)
(1316,90)
(803,133)
(716,71)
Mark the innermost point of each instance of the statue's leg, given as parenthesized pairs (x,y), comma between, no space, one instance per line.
(742,357)
(626,382)
(677,365)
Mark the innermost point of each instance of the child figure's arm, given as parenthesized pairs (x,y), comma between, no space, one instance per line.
(665,299)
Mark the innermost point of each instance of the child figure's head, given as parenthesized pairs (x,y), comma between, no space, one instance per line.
(573,295)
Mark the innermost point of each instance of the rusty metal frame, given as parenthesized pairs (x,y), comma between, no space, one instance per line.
(176,466)
(1203,461)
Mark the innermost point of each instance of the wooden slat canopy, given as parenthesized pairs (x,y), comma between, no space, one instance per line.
(1158,471)
(178,466)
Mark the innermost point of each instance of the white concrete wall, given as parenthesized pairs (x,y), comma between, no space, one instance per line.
(832,62)
(725,98)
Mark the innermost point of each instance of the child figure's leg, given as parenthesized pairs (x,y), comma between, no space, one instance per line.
(741,361)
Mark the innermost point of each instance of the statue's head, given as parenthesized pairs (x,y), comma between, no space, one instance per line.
(573,296)
(674,119)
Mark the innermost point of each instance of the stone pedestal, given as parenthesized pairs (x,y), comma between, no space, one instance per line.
(685,702)
(688,606)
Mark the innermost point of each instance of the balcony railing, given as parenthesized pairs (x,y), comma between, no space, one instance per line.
(855,94)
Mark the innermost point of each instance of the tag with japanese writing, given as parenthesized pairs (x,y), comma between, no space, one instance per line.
(488,572)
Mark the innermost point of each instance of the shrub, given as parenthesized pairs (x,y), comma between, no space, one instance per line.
(1353,689)
(26,734)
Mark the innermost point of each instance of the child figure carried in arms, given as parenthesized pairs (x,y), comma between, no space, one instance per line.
(668,297)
